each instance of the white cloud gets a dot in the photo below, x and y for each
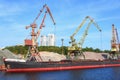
(108, 18)
(7, 9)
(12, 8)
(100, 6)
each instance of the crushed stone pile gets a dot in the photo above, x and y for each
(51, 56)
(6, 54)
(95, 56)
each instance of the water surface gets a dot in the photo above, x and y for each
(85, 74)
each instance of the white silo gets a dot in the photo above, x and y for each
(51, 40)
(43, 40)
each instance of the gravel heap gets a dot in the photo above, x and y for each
(46, 56)
(95, 56)
(6, 54)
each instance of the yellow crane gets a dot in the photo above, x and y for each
(76, 48)
(115, 44)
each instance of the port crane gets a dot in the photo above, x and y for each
(76, 48)
(32, 43)
(115, 44)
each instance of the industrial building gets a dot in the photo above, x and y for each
(48, 40)
(43, 40)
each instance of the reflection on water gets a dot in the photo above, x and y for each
(31, 76)
(95, 74)
(86, 74)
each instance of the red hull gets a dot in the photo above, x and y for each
(61, 68)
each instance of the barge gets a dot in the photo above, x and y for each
(15, 66)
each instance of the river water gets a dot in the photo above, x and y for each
(86, 74)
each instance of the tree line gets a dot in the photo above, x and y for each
(61, 50)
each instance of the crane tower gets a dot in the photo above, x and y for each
(115, 44)
(76, 47)
(32, 43)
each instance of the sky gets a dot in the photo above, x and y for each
(68, 15)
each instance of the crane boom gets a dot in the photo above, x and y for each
(86, 32)
(117, 36)
(76, 31)
(96, 25)
(39, 13)
(41, 25)
(48, 10)
(84, 35)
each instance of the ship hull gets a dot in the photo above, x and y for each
(12, 66)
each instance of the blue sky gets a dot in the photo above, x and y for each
(68, 15)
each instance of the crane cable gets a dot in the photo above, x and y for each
(101, 41)
(54, 33)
